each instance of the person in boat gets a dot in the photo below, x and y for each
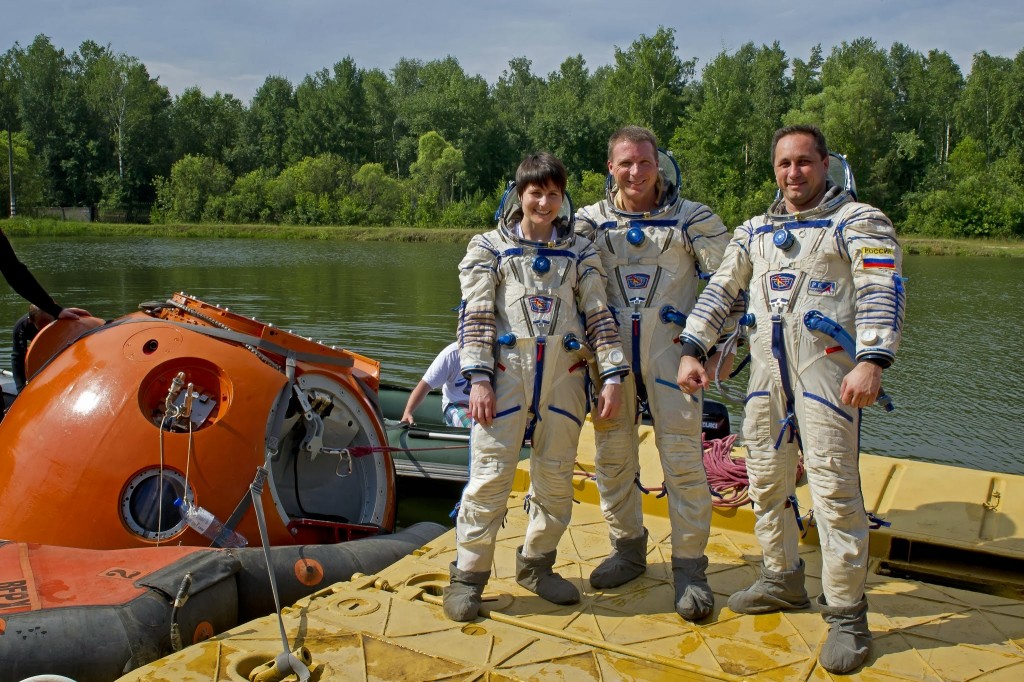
(26, 286)
(654, 244)
(25, 329)
(533, 315)
(445, 372)
(817, 254)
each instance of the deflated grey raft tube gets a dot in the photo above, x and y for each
(100, 624)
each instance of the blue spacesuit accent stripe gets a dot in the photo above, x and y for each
(826, 403)
(511, 410)
(702, 214)
(755, 394)
(711, 309)
(779, 352)
(798, 224)
(713, 320)
(665, 382)
(542, 251)
(488, 268)
(878, 351)
(707, 236)
(565, 414)
(653, 222)
(538, 376)
(565, 253)
(873, 237)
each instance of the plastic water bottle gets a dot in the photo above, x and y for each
(208, 525)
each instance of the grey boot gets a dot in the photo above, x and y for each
(627, 561)
(464, 593)
(849, 638)
(536, 576)
(694, 599)
(772, 591)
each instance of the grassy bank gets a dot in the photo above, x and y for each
(40, 227)
(44, 227)
(934, 246)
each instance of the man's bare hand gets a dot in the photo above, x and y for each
(724, 370)
(860, 387)
(482, 402)
(609, 401)
(692, 375)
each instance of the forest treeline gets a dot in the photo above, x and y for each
(428, 144)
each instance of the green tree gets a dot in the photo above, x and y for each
(517, 95)
(55, 119)
(984, 99)
(206, 126)
(330, 115)
(855, 116)
(649, 82)
(384, 126)
(248, 201)
(724, 145)
(440, 97)
(196, 188)
(976, 199)
(437, 172)
(305, 192)
(806, 77)
(29, 180)
(9, 85)
(563, 124)
(377, 198)
(265, 125)
(133, 110)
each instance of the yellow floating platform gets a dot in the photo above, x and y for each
(950, 526)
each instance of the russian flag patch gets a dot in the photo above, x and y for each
(878, 257)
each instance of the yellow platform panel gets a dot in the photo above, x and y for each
(391, 626)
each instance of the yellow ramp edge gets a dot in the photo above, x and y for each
(391, 626)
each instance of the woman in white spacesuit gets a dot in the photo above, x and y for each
(533, 315)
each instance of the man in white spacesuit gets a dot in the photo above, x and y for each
(654, 246)
(534, 315)
(826, 305)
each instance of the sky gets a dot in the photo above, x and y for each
(231, 46)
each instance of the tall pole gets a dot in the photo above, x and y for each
(10, 170)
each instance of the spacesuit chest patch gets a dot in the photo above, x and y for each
(821, 287)
(540, 304)
(782, 281)
(637, 281)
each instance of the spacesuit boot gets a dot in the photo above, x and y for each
(849, 637)
(464, 594)
(694, 599)
(773, 591)
(627, 561)
(536, 576)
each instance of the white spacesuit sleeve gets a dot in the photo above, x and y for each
(720, 301)
(876, 261)
(478, 278)
(591, 300)
(585, 225)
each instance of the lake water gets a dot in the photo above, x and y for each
(957, 381)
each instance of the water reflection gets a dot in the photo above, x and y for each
(955, 383)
